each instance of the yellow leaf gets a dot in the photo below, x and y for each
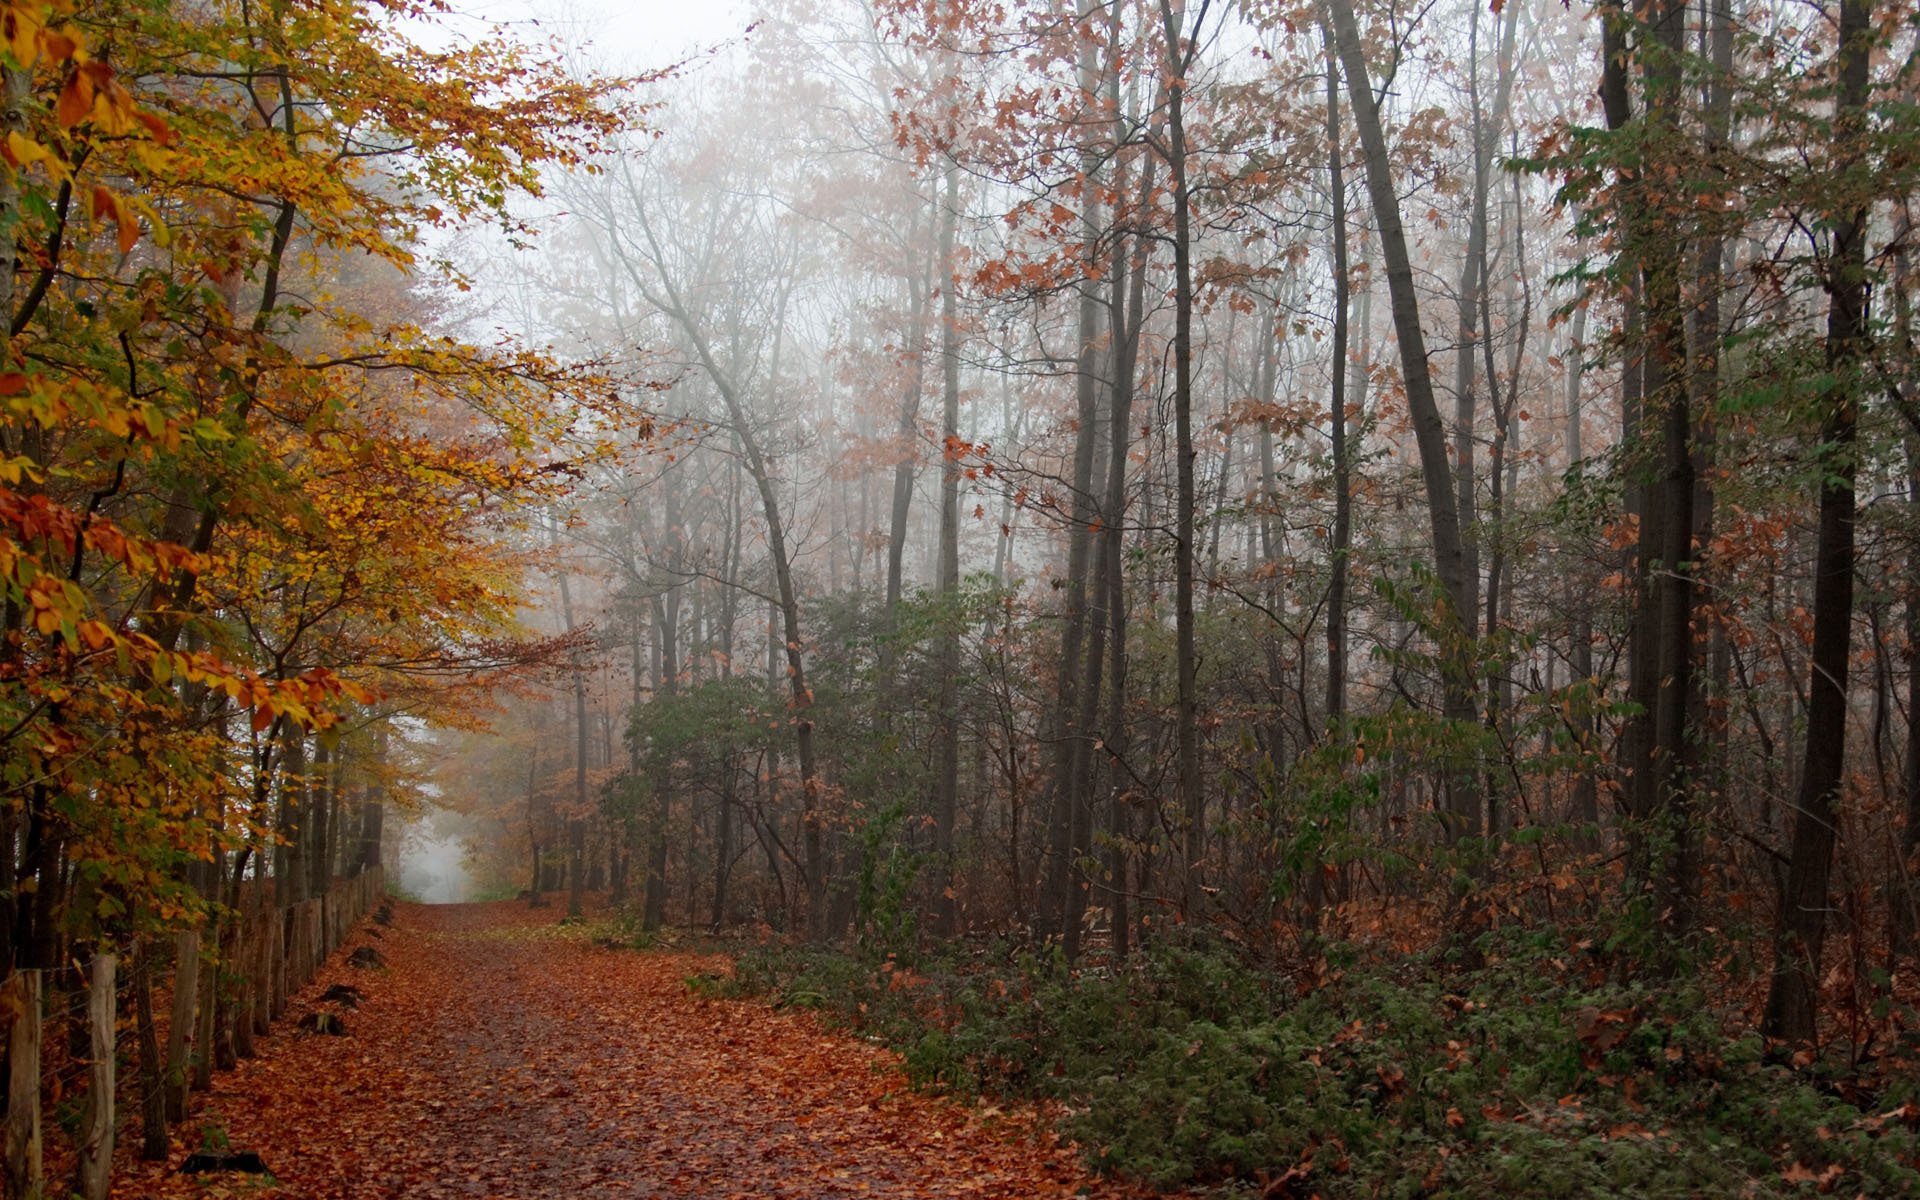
(156, 228)
(23, 35)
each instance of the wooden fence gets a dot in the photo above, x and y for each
(221, 1003)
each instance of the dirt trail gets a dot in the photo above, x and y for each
(500, 1056)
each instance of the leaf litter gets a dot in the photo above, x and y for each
(498, 1056)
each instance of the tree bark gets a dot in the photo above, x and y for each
(1340, 543)
(181, 1024)
(1181, 54)
(1905, 892)
(1585, 805)
(24, 1166)
(666, 624)
(94, 1169)
(154, 1145)
(1457, 651)
(946, 770)
(577, 822)
(1793, 999)
(1128, 304)
(1059, 871)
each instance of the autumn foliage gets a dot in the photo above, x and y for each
(252, 491)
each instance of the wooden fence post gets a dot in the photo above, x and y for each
(180, 1030)
(282, 924)
(245, 981)
(263, 971)
(95, 1168)
(153, 1071)
(22, 995)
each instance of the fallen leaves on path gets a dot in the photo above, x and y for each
(501, 1056)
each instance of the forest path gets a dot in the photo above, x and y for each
(501, 1055)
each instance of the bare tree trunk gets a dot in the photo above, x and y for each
(1585, 812)
(907, 434)
(1458, 657)
(319, 833)
(1793, 1000)
(1181, 55)
(1905, 892)
(534, 898)
(666, 623)
(291, 877)
(1059, 869)
(1342, 539)
(1128, 306)
(577, 823)
(1469, 330)
(723, 860)
(1703, 352)
(946, 770)
(1660, 682)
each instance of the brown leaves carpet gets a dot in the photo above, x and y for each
(499, 1055)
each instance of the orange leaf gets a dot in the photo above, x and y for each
(76, 100)
(161, 131)
(129, 226)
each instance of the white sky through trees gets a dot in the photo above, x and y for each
(622, 35)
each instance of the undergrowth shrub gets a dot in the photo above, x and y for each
(1523, 1077)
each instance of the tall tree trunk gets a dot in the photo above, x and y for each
(1468, 330)
(1059, 868)
(1129, 274)
(1659, 429)
(373, 813)
(577, 822)
(1342, 534)
(1181, 54)
(320, 803)
(907, 435)
(1585, 810)
(666, 623)
(291, 876)
(1704, 338)
(946, 769)
(729, 605)
(1905, 892)
(1793, 1000)
(1457, 651)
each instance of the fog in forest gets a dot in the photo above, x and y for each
(433, 863)
(1106, 466)
(1329, 591)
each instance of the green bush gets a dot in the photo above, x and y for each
(1189, 1067)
